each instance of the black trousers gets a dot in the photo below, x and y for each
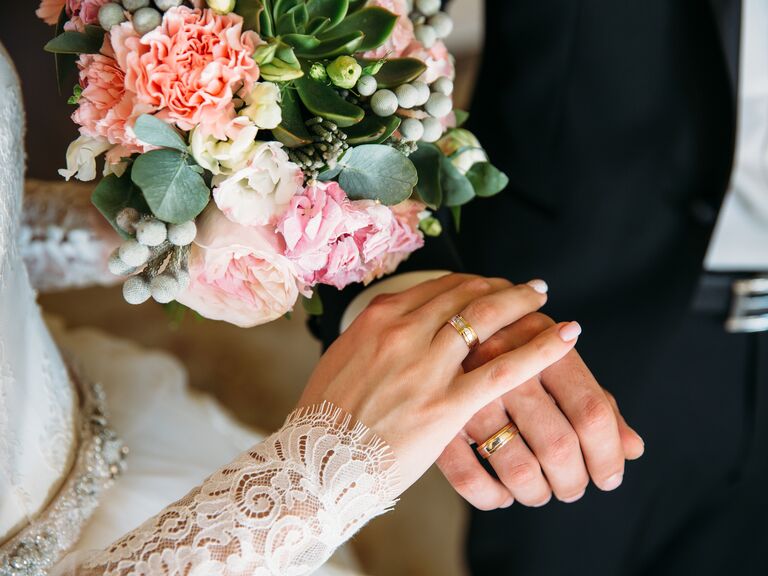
(696, 502)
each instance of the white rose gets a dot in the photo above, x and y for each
(262, 105)
(224, 156)
(81, 157)
(261, 191)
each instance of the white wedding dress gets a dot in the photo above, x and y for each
(98, 436)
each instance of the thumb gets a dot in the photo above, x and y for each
(497, 377)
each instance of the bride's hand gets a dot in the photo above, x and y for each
(398, 368)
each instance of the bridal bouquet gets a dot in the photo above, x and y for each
(254, 149)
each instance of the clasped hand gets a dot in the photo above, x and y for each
(407, 374)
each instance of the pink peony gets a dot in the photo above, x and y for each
(438, 60)
(401, 36)
(105, 108)
(189, 68)
(406, 238)
(238, 273)
(83, 13)
(50, 10)
(335, 241)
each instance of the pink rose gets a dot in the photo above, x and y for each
(238, 273)
(438, 60)
(105, 108)
(83, 13)
(50, 10)
(401, 36)
(333, 240)
(189, 68)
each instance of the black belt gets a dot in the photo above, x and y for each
(742, 298)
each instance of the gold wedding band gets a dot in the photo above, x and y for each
(498, 440)
(465, 330)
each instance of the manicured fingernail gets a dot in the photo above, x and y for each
(613, 482)
(544, 503)
(570, 331)
(573, 498)
(508, 503)
(539, 285)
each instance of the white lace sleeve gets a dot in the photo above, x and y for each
(65, 242)
(281, 508)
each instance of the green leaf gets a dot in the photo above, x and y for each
(302, 42)
(314, 305)
(154, 131)
(113, 194)
(456, 213)
(355, 5)
(324, 101)
(375, 23)
(66, 64)
(174, 192)
(377, 172)
(71, 42)
(334, 10)
(427, 159)
(393, 123)
(397, 71)
(486, 179)
(292, 131)
(333, 47)
(330, 173)
(457, 189)
(317, 25)
(286, 24)
(266, 21)
(251, 11)
(461, 117)
(370, 129)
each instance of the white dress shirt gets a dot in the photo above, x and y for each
(740, 239)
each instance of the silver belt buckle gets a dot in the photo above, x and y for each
(749, 306)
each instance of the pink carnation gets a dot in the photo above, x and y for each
(401, 36)
(438, 60)
(50, 10)
(335, 241)
(105, 108)
(189, 68)
(406, 238)
(83, 13)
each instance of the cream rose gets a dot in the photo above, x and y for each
(260, 192)
(262, 105)
(224, 156)
(238, 273)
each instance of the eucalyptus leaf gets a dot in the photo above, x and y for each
(334, 10)
(427, 158)
(324, 101)
(314, 305)
(71, 42)
(377, 172)
(397, 71)
(251, 11)
(154, 131)
(375, 23)
(457, 189)
(486, 179)
(174, 192)
(330, 173)
(113, 194)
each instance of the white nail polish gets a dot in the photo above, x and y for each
(613, 482)
(570, 331)
(539, 285)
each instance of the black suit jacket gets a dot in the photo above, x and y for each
(615, 121)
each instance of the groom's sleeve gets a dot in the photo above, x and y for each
(437, 254)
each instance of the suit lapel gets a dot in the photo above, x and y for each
(727, 15)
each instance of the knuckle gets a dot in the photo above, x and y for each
(596, 413)
(561, 449)
(478, 285)
(499, 373)
(536, 322)
(521, 473)
(481, 311)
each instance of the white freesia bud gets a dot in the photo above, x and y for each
(127, 218)
(262, 105)
(224, 156)
(151, 232)
(136, 290)
(81, 157)
(182, 234)
(164, 288)
(117, 266)
(133, 253)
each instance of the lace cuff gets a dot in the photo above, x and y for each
(282, 507)
(64, 241)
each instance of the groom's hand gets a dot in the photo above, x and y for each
(571, 430)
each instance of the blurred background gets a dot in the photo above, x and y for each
(258, 373)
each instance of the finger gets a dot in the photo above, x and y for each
(479, 387)
(586, 406)
(631, 441)
(420, 294)
(467, 476)
(486, 314)
(514, 463)
(551, 438)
